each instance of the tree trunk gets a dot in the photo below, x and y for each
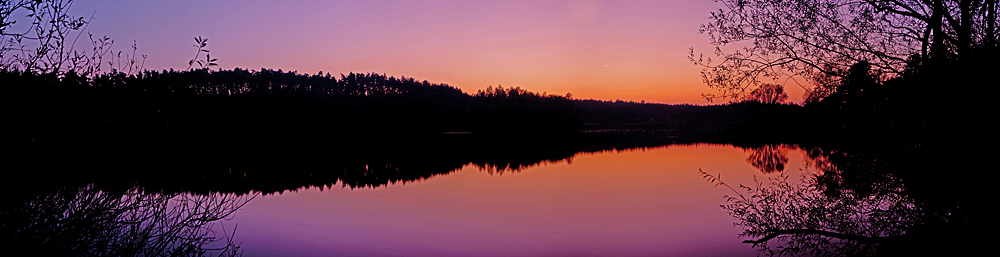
(991, 23)
(937, 47)
(964, 32)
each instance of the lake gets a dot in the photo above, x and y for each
(647, 202)
(652, 197)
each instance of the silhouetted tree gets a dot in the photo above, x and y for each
(768, 94)
(859, 86)
(820, 39)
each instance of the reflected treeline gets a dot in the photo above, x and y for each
(270, 166)
(241, 131)
(202, 130)
(88, 221)
(352, 160)
(268, 131)
(857, 203)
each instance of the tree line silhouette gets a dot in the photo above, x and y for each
(898, 145)
(233, 131)
(209, 122)
(891, 111)
(894, 160)
(886, 119)
(351, 103)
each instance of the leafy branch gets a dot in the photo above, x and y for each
(201, 43)
(47, 42)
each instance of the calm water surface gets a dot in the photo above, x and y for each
(649, 202)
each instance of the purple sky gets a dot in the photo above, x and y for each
(629, 50)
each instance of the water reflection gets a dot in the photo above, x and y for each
(89, 221)
(843, 204)
(356, 161)
(782, 217)
(769, 158)
(647, 202)
(620, 184)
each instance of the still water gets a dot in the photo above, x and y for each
(644, 202)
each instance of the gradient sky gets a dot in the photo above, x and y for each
(629, 50)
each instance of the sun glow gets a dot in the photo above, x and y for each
(633, 51)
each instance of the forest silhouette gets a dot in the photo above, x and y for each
(888, 115)
(241, 131)
(894, 130)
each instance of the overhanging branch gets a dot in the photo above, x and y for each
(863, 239)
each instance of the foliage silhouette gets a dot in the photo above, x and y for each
(768, 94)
(232, 130)
(820, 40)
(45, 39)
(519, 109)
(201, 43)
(88, 221)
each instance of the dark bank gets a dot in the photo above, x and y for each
(128, 161)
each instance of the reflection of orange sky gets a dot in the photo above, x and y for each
(628, 50)
(650, 202)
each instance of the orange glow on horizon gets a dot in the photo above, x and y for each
(606, 50)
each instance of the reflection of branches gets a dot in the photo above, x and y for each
(839, 172)
(92, 222)
(802, 220)
(501, 167)
(768, 158)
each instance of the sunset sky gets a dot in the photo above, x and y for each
(628, 50)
